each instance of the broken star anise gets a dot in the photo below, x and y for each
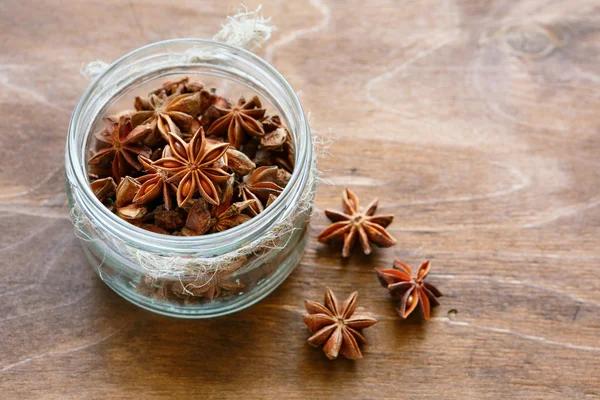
(104, 188)
(334, 327)
(192, 167)
(154, 184)
(228, 215)
(352, 224)
(124, 146)
(126, 192)
(181, 86)
(258, 186)
(411, 289)
(222, 217)
(162, 112)
(239, 121)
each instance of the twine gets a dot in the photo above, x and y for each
(247, 29)
(163, 266)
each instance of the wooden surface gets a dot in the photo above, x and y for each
(475, 122)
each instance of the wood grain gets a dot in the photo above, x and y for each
(475, 122)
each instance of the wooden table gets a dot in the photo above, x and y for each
(475, 122)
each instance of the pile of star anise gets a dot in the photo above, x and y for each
(188, 162)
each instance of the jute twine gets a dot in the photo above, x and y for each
(247, 29)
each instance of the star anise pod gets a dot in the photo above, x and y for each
(352, 224)
(258, 186)
(238, 162)
(192, 167)
(239, 121)
(279, 140)
(154, 184)
(226, 215)
(160, 112)
(411, 289)
(181, 86)
(334, 327)
(126, 192)
(169, 219)
(124, 146)
(104, 188)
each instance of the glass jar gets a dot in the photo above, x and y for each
(125, 256)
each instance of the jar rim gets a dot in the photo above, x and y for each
(77, 168)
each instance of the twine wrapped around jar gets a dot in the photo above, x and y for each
(246, 29)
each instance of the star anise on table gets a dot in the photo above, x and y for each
(335, 328)
(352, 224)
(192, 167)
(125, 147)
(258, 186)
(159, 112)
(411, 289)
(239, 121)
(154, 184)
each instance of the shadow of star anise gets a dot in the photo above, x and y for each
(334, 327)
(352, 224)
(124, 148)
(411, 289)
(239, 121)
(192, 167)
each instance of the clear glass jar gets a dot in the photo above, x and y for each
(118, 249)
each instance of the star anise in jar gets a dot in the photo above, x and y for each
(104, 188)
(192, 167)
(215, 284)
(279, 142)
(229, 214)
(412, 289)
(335, 328)
(124, 141)
(226, 215)
(181, 86)
(239, 121)
(126, 192)
(154, 184)
(238, 162)
(161, 112)
(352, 224)
(258, 186)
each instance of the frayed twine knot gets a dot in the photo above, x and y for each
(246, 29)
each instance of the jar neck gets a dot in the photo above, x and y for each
(187, 56)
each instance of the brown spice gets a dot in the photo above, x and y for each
(162, 112)
(239, 121)
(412, 290)
(124, 148)
(335, 328)
(259, 186)
(352, 224)
(158, 153)
(192, 167)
